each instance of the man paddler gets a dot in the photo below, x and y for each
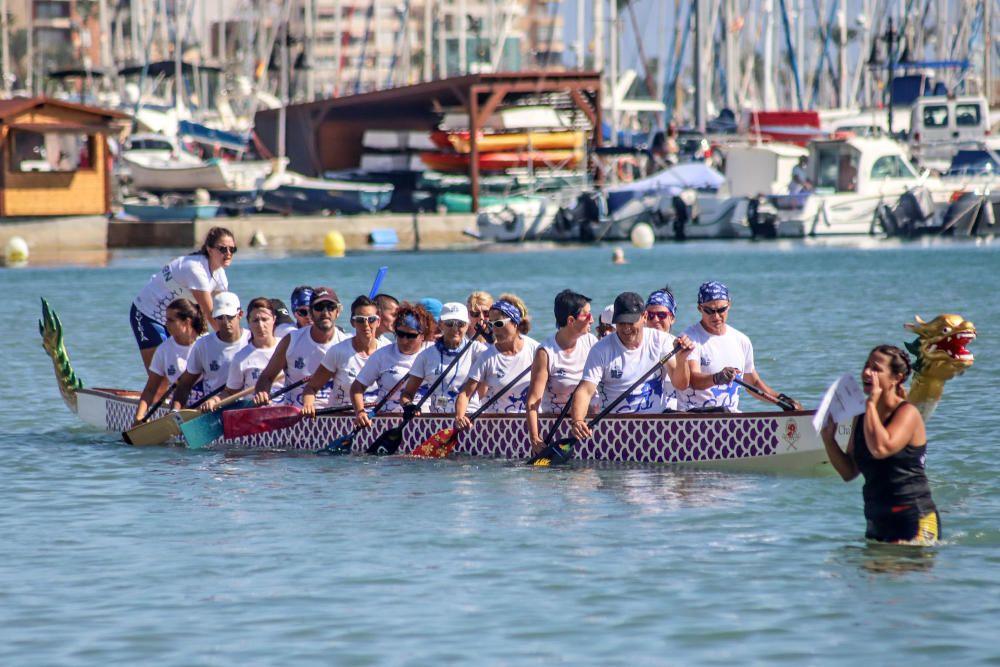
(619, 359)
(722, 354)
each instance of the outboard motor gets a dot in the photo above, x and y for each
(971, 214)
(685, 206)
(911, 213)
(762, 225)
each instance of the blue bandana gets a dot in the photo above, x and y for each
(411, 321)
(508, 309)
(301, 298)
(713, 290)
(662, 298)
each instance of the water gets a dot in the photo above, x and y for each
(116, 555)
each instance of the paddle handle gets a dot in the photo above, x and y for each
(440, 378)
(212, 394)
(156, 406)
(783, 404)
(388, 395)
(625, 394)
(496, 397)
(288, 388)
(559, 420)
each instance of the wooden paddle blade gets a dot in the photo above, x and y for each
(438, 446)
(157, 431)
(250, 421)
(388, 442)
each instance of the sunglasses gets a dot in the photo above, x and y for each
(499, 324)
(658, 314)
(407, 335)
(585, 317)
(362, 319)
(302, 312)
(452, 323)
(225, 318)
(226, 249)
(327, 306)
(479, 313)
(714, 311)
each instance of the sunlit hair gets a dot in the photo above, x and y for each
(525, 325)
(411, 310)
(479, 300)
(361, 302)
(213, 236)
(899, 364)
(189, 310)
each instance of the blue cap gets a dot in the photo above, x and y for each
(433, 307)
(713, 290)
(301, 296)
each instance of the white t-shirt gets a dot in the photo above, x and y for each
(246, 366)
(432, 362)
(614, 368)
(302, 358)
(497, 370)
(170, 359)
(282, 330)
(712, 354)
(176, 280)
(386, 367)
(345, 363)
(210, 358)
(565, 370)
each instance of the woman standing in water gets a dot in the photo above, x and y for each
(888, 448)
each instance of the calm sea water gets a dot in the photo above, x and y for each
(116, 555)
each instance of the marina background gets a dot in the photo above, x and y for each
(166, 556)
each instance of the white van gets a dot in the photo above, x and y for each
(939, 124)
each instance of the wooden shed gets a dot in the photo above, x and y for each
(55, 157)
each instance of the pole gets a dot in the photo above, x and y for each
(428, 64)
(283, 69)
(769, 98)
(599, 40)
(5, 49)
(178, 58)
(699, 75)
(613, 69)
(988, 50)
(463, 55)
(890, 60)
(310, 50)
(580, 29)
(30, 78)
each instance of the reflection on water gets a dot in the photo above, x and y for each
(892, 559)
(666, 489)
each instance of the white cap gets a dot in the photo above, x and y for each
(225, 303)
(607, 315)
(454, 311)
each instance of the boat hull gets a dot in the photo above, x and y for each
(783, 442)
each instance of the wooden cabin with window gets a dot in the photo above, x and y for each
(55, 157)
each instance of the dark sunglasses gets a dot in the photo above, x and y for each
(479, 313)
(406, 335)
(452, 323)
(225, 318)
(302, 312)
(328, 306)
(714, 311)
(361, 319)
(499, 324)
(226, 249)
(658, 314)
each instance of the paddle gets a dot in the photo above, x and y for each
(379, 277)
(250, 421)
(559, 420)
(784, 402)
(208, 427)
(158, 431)
(156, 406)
(439, 445)
(389, 441)
(562, 450)
(342, 445)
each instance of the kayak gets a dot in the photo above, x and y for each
(499, 161)
(508, 141)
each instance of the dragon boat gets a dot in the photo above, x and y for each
(773, 442)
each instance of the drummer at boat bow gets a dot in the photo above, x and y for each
(722, 354)
(300, 352)
(211, 355)
(617, 361)
(511, 353)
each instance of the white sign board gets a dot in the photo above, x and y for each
(842, 400)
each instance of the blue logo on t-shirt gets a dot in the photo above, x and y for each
(214, 366)
(300, 363)
(171, 370)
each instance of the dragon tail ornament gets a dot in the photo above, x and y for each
(51, 330)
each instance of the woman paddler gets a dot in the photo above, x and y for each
(511, 353)
(197, 277)
(250, 362)
(559, 361)
(185, 324)
(888, 448)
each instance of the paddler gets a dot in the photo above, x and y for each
(250, 362)
(185, 324)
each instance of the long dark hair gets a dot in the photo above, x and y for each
(899, 364)
(189, 310)
(213, 236)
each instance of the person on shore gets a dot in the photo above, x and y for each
(558, 365)
(434, 361)
(196, 277)
(888, 448)
(300, 352)
(389, 364)
(511, 353)
(387, 306)
(208, 365)
(660, 310)
(301, 297)
(479, 304)
(723, 353)
(617, 362)
(342, 362)
(250, 362)
(185, 324)
(284, 323)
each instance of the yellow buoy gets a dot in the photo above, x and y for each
(15, 253)
(333, 244)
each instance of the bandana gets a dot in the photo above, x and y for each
(713, 290)
(508, 309)
(302, 298)
(662, 298)
(411, 321)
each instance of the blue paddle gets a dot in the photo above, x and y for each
(379, 277)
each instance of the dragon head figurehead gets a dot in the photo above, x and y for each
(51, 329)
(941, 354)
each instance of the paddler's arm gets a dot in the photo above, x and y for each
(678, 369)
(462, 421)
(842, 462)
(539, 378)
(315, 383)
(212, 403)
(204, 301)
(155, 387)
(409, 392)
(262, 390)
(581, 403)
(361, 417)
(183, 389)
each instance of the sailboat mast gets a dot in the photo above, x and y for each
(4, 49)
(178, 58)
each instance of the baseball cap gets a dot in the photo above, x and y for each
(433, 307)
(454, 311)
(225, 303)
(324, 294)
(608, 314)
(628, 308)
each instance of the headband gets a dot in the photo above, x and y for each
(412, 321)
(662, 298)
(713, 290)
(508, 309)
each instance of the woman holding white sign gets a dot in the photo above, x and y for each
(888, 448)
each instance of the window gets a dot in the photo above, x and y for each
(51, 151)
(936, 115)
(51, 10)
(967, 115)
